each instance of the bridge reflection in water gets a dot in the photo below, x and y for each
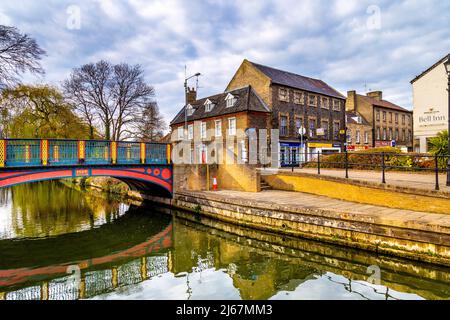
(161, 253)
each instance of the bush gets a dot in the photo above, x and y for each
(372, 159)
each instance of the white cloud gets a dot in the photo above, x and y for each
(322, 39)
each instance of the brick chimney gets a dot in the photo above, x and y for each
(378, 95)
(350, 105)
(191, 95)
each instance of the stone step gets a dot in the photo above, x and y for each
(265, 186)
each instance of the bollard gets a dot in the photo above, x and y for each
(436, 171)
(346, 164)
(318, 162)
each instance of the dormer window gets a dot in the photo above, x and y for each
(189, 110)
(230, 100)
(209, 105)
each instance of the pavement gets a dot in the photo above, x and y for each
(426, 181)
(296, 200)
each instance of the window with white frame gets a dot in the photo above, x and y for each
(298, 97)
(312, 127)
(191, 132)
(358, 136)
(325, 103)
(209, 105)
(336, 105)
(203, 130)
(180, 132)
(231, 126)
(218, 128)
(244, 154)
(230, 100)
(366, 137)
(336, 128)
(312, 100)
(283, 94)
(283, 126)
(189, 110)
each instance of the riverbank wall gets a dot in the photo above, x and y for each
(395, 235)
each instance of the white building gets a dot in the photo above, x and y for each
(430, 101)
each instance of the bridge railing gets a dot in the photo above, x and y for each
(58, 152)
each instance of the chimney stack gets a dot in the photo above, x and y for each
(350, 105)
(378, 95)
(191, 95)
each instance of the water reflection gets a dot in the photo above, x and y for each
(157, 253)
(45, 209)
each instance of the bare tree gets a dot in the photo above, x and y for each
(88, 90)
(149, 125)
(18, 54)
(111, 95)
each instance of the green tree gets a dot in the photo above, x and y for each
(38, 112)
(439, 146)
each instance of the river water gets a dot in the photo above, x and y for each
(60, 243)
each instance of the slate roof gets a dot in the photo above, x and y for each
(246, 100)
(353, 114)
(383, 103)
(297, 81)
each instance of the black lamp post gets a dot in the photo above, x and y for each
(186, 89)
(447, 69)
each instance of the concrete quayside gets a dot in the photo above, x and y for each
(411, 234)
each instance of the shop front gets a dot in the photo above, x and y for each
(322, 148)
(291, 154)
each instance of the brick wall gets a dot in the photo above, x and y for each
(249, 75)
(305, 112)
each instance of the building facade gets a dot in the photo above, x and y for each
(223, 118)
(430, 104)
(391, 124)
(359, 132)
(297, 102)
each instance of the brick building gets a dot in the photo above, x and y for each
(388, 121)
(224, 116)
(359, 132)
(297, 101)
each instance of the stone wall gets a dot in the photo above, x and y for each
(417, 241)
(229, 177)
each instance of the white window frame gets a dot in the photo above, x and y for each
(358, 136)
(218, 125)
(203, 130)
(180, 132)
(336, 105)
(314, 104)
(230, 131)
(190, 131)
(327, 105)
(189, 110)
(366, 137)
(209, 105)
(298, 97)
(283, 97)
(230, 100)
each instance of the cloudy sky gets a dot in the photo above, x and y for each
(373, 45)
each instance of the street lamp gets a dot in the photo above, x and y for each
(185, 93)
(447, 69)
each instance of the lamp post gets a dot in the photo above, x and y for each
(185, 93)
(447, 69)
